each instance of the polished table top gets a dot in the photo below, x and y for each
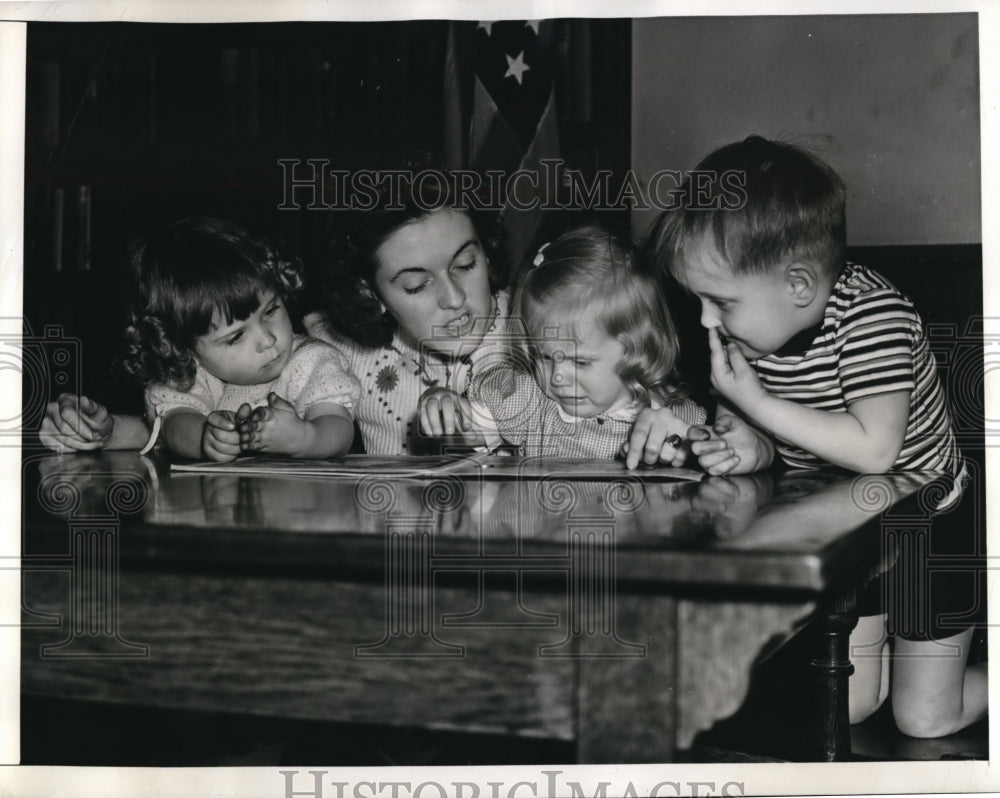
(797, 530)
(498, 605)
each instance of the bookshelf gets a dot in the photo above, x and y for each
(130, 126)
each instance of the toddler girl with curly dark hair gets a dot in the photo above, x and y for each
(210, 337)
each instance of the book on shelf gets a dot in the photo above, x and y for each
(58, 225)
(478, 465)
(84, 228)
(71, 228)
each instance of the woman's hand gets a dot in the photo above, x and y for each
(76, 423)
(444, 412)
(657, 436)
(220, 438)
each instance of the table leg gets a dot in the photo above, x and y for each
(832, 668)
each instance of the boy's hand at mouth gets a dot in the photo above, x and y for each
(732, 376)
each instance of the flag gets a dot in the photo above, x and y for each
(507, 119)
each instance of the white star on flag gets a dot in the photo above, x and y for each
(533, 24)
(516, 67)
(486, 26)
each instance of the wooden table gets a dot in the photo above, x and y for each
(624, 614)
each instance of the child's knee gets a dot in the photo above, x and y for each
(869, 684)
(861, 707)
(933, 693)
(914, 720)
(926, 716)
(868, 687)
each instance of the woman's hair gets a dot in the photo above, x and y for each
(180, 278)
(591, 273)
(347, 277)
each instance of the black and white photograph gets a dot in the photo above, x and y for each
(581, 401)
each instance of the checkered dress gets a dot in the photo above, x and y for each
(512, 408)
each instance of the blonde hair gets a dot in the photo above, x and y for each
(589, 272)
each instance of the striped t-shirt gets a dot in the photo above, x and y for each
(871, 342)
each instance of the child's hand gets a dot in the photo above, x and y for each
(274, 428)
(444, 412)
(732, 502)
(658, 435)
(732, 376)
(730, 446)
(220, 438)
(76, 423)
(243, 413)
(220, 495)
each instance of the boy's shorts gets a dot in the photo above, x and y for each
(936, 584)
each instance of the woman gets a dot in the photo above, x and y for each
(410, 298)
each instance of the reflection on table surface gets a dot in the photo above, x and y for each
(792, 511)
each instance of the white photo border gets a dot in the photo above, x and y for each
(755, 779)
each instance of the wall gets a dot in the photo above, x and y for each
(890, 101)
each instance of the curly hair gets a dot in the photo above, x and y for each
(179, 280)
(591, 273)
(346, 276)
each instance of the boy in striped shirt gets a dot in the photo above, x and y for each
(826, 361)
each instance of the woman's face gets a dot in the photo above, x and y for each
(432, 276)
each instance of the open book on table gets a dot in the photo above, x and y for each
(479, 465)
